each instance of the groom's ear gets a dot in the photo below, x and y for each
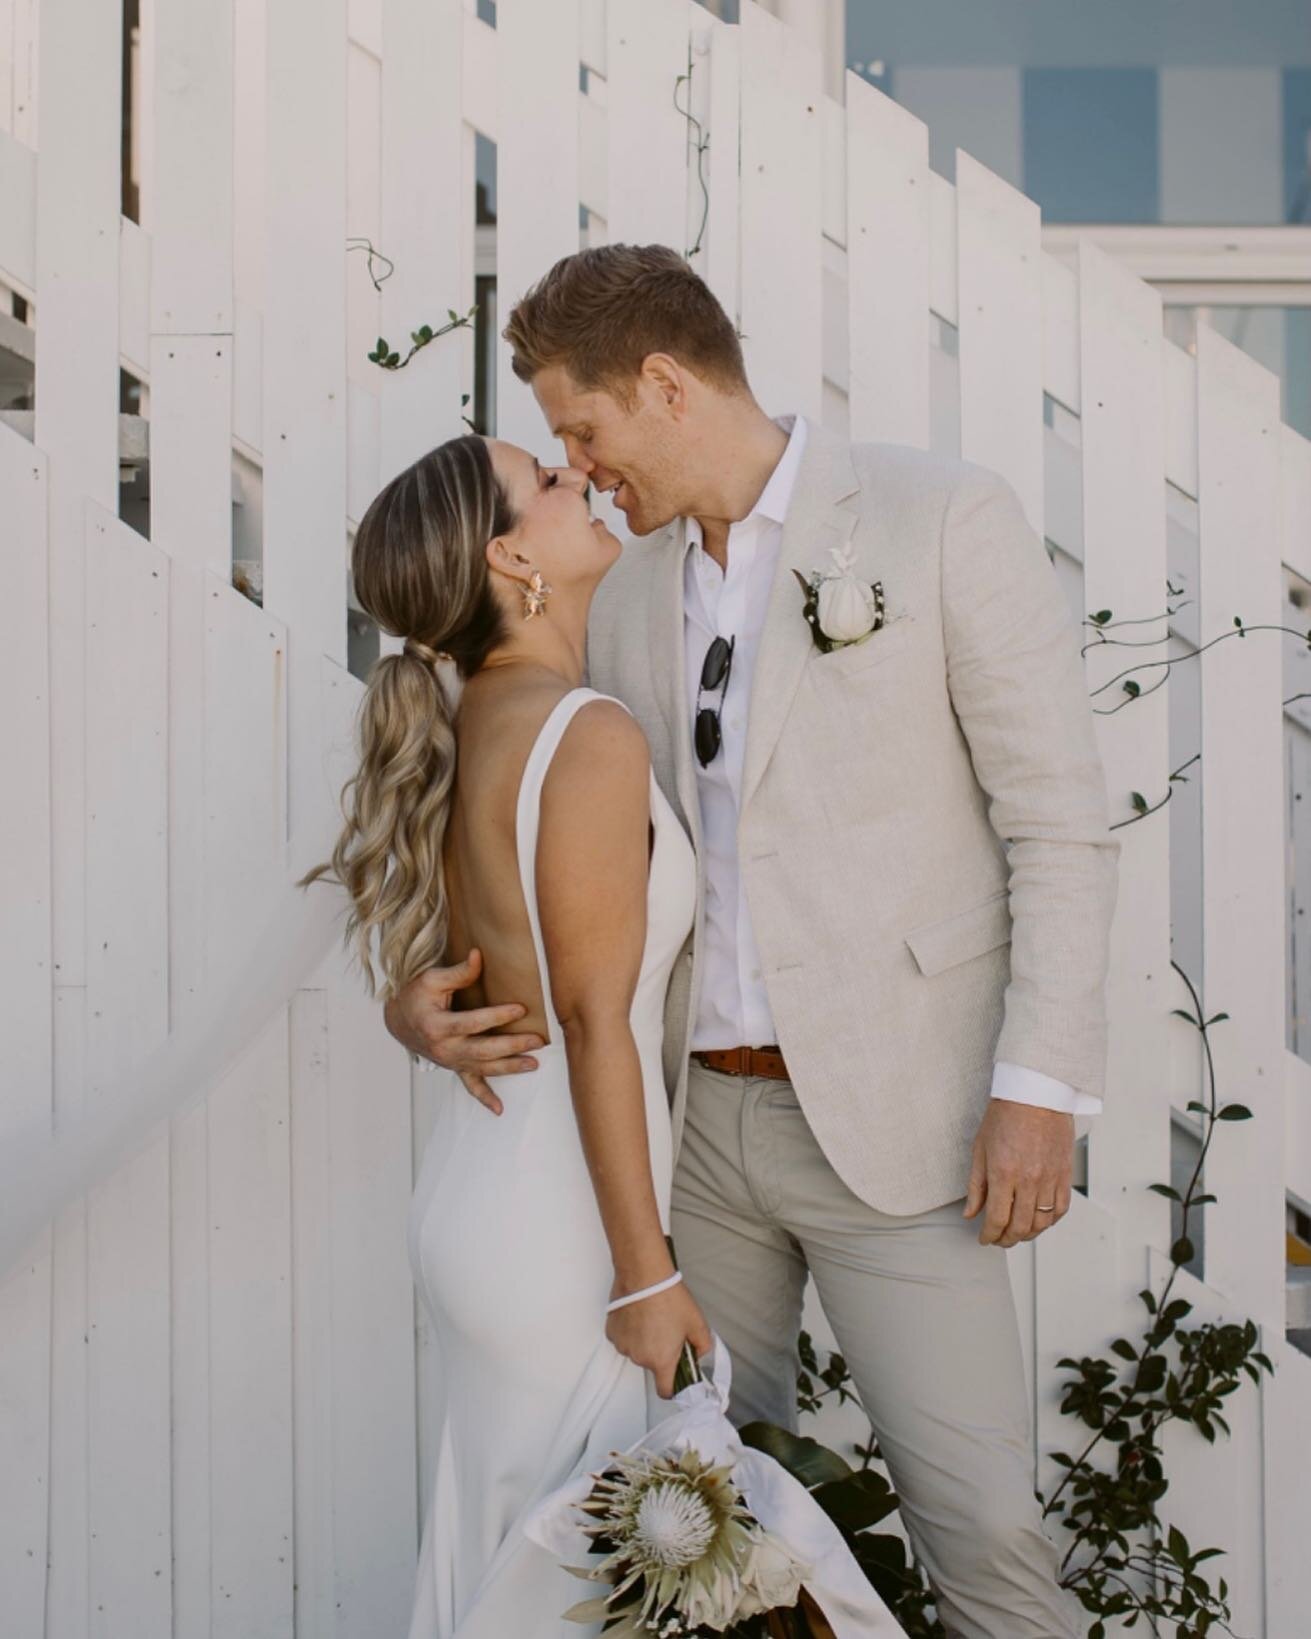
(664, 373)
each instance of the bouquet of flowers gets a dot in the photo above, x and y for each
(693, 1533)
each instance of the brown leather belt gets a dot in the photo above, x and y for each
(745, 1061)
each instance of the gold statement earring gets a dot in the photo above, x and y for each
(535, 595)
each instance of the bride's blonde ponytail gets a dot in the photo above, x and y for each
(420, 569)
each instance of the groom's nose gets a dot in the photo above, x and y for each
(574, 476)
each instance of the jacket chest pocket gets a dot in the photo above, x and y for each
(885, 644)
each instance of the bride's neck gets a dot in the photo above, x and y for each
(555, 640)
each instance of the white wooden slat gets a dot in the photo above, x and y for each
(134, 258)
(888, 231)
(362, 445)
(536, 178)
(594, 159)
(943, 273)
(245, 1186)
(77, 220)
(648, 139)
(18, 218)
(26, 1026)
(1080, 1304)
(422, 148)
(1060, 333)
(1000, 329)
(127, 1015)
(1287, 1407)
(249, 152)
(1181, 419)
(372, 1297)
(250, 1343)
(1215, 1490)
(1124, 502)
(364, 25)
(312, 1320)
(478, 74)
(781, 205)
(1295, 501)
(717, 87)
(834, 171)
(1242, 816)
(364, 217)
(192, 198)
(190, 206)
(593, 41)
(304, 365)
(6, 64)
(189, 1275)
(1297, 1126)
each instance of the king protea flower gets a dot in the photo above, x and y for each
(682, 1551)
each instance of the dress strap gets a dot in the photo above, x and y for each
(528, 818)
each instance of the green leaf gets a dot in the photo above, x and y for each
(1238, 621)
(1139, 801)
(1216, 1017)
(381, 347)
(857, 1502)
(1182, 1250)
(805, 1459)
(1148, 1297)
(1234, 1112)
(1124, 1349)
(1167, 1190)
(1202, 1109)
(1179, 1012)
(1103, 615)
(1131, 688)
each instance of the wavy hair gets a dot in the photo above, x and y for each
(419, 564)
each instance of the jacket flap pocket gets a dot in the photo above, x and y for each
(938, 945)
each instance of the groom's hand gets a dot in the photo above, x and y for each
(1023, 1160)
(422, 1019)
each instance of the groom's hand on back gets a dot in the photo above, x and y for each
(423, 1020)
(1023, 1159)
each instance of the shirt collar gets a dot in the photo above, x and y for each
(775, 498)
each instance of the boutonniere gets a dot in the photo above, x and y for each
(840, 609)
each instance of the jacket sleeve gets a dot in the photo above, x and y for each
(1016, 680)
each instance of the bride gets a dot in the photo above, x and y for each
(526, 823)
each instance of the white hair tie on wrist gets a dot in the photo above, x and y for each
(646, 1292)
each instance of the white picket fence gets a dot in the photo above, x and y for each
(213, 1406)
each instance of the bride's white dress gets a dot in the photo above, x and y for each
(511, 1261)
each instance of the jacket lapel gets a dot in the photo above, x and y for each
(816, 520)
(666, 635)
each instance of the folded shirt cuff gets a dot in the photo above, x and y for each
(1022, 1085)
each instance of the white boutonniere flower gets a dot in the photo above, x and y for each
(839, 608)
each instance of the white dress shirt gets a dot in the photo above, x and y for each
(734, 1006)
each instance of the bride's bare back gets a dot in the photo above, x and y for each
(500, 717)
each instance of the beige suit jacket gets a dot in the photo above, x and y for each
(923, 829)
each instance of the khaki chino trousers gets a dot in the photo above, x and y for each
(923, 1315)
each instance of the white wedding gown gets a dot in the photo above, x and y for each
(511, 1261)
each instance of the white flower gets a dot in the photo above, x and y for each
(846, 607)
(771, 1578)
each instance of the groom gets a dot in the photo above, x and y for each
(892, 1004)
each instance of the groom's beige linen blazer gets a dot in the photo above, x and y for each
(923, 826)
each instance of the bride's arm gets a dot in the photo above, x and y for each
(592, 865)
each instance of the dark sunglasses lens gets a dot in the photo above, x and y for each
(707, 735)
(716, 663)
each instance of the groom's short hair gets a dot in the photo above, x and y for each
(602, 311)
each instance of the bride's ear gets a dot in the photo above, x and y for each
(502, 559)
